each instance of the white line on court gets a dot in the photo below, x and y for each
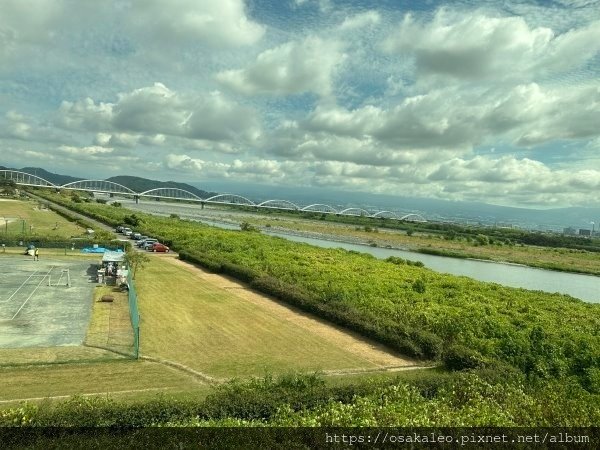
(19, 288)
(31, 295)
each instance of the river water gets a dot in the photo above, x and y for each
(584, 287)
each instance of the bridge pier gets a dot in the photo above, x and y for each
(202, 205)
(136, 198)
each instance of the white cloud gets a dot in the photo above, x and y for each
(23, 23)
(291, 68)
(157, 110)
(475, 46)
(361, 20)
(222, 23)
(455, 119)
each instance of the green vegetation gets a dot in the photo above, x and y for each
(544, 335)
(520, 357)
(31, 219)
(110, 325)
(579, 255)
(114, 377)
(461, 399)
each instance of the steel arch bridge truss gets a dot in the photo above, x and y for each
(279, 204)
(171, 193)
(413, 218)
(25, 179)
(108, 187)
(386, 215)
(355, 212)
(321, 208)
(230, 199)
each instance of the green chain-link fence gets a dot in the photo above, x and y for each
(134, 315)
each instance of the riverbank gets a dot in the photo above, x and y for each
(375, 239)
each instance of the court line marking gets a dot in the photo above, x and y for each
(19, 288)
(31, 295)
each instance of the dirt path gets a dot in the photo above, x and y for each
(377, 354)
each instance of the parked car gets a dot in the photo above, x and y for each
(148, 243)
(127, 231)
(119, 229)
(140, 241)
(135, 236)
(158, 247)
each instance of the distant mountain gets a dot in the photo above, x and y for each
(139, 184)
(136, 184)
(49, 176)
(432, 209)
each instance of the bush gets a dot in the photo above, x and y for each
(459, 357)
(429, 344)
(419, 286)
(211, 265)
(240, 272)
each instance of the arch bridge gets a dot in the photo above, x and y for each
(170, 193)
(104, 186)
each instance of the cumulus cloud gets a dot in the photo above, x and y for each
(452, 118)
(17, 126)
(198, 22)
(20, 23)
(127, 140)
(157, 110)
(512, 180)
(475, 46)
(361, 20)
(291, 68)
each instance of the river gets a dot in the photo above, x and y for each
(584, 287)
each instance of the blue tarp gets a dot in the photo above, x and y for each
(97, 250)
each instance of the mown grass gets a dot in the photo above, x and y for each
(187, 320)
(30, 218)
(110, 325)
(141, 377)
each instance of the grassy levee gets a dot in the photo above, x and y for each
(412, 309)
(29, 218)
(213, 331)
(521, 358)
(115, 377)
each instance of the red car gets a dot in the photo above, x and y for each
(158, 247)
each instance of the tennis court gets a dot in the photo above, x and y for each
(44, 303)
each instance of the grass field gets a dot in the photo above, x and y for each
(191, 321)
(215, 331)
(110, 325)
(19, 216)
(127, 377)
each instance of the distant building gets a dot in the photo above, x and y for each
(570, 231)
(584, 232)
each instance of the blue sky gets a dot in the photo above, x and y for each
(494, 101)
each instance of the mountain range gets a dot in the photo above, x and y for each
(432, 209)
(136, 184)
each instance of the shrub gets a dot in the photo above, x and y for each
(429, 344)
(240, 272)
(419, 286)
(459, 357)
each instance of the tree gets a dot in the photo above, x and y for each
(132, 220)
(245, 226)
(7, 187)
(135, 260)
